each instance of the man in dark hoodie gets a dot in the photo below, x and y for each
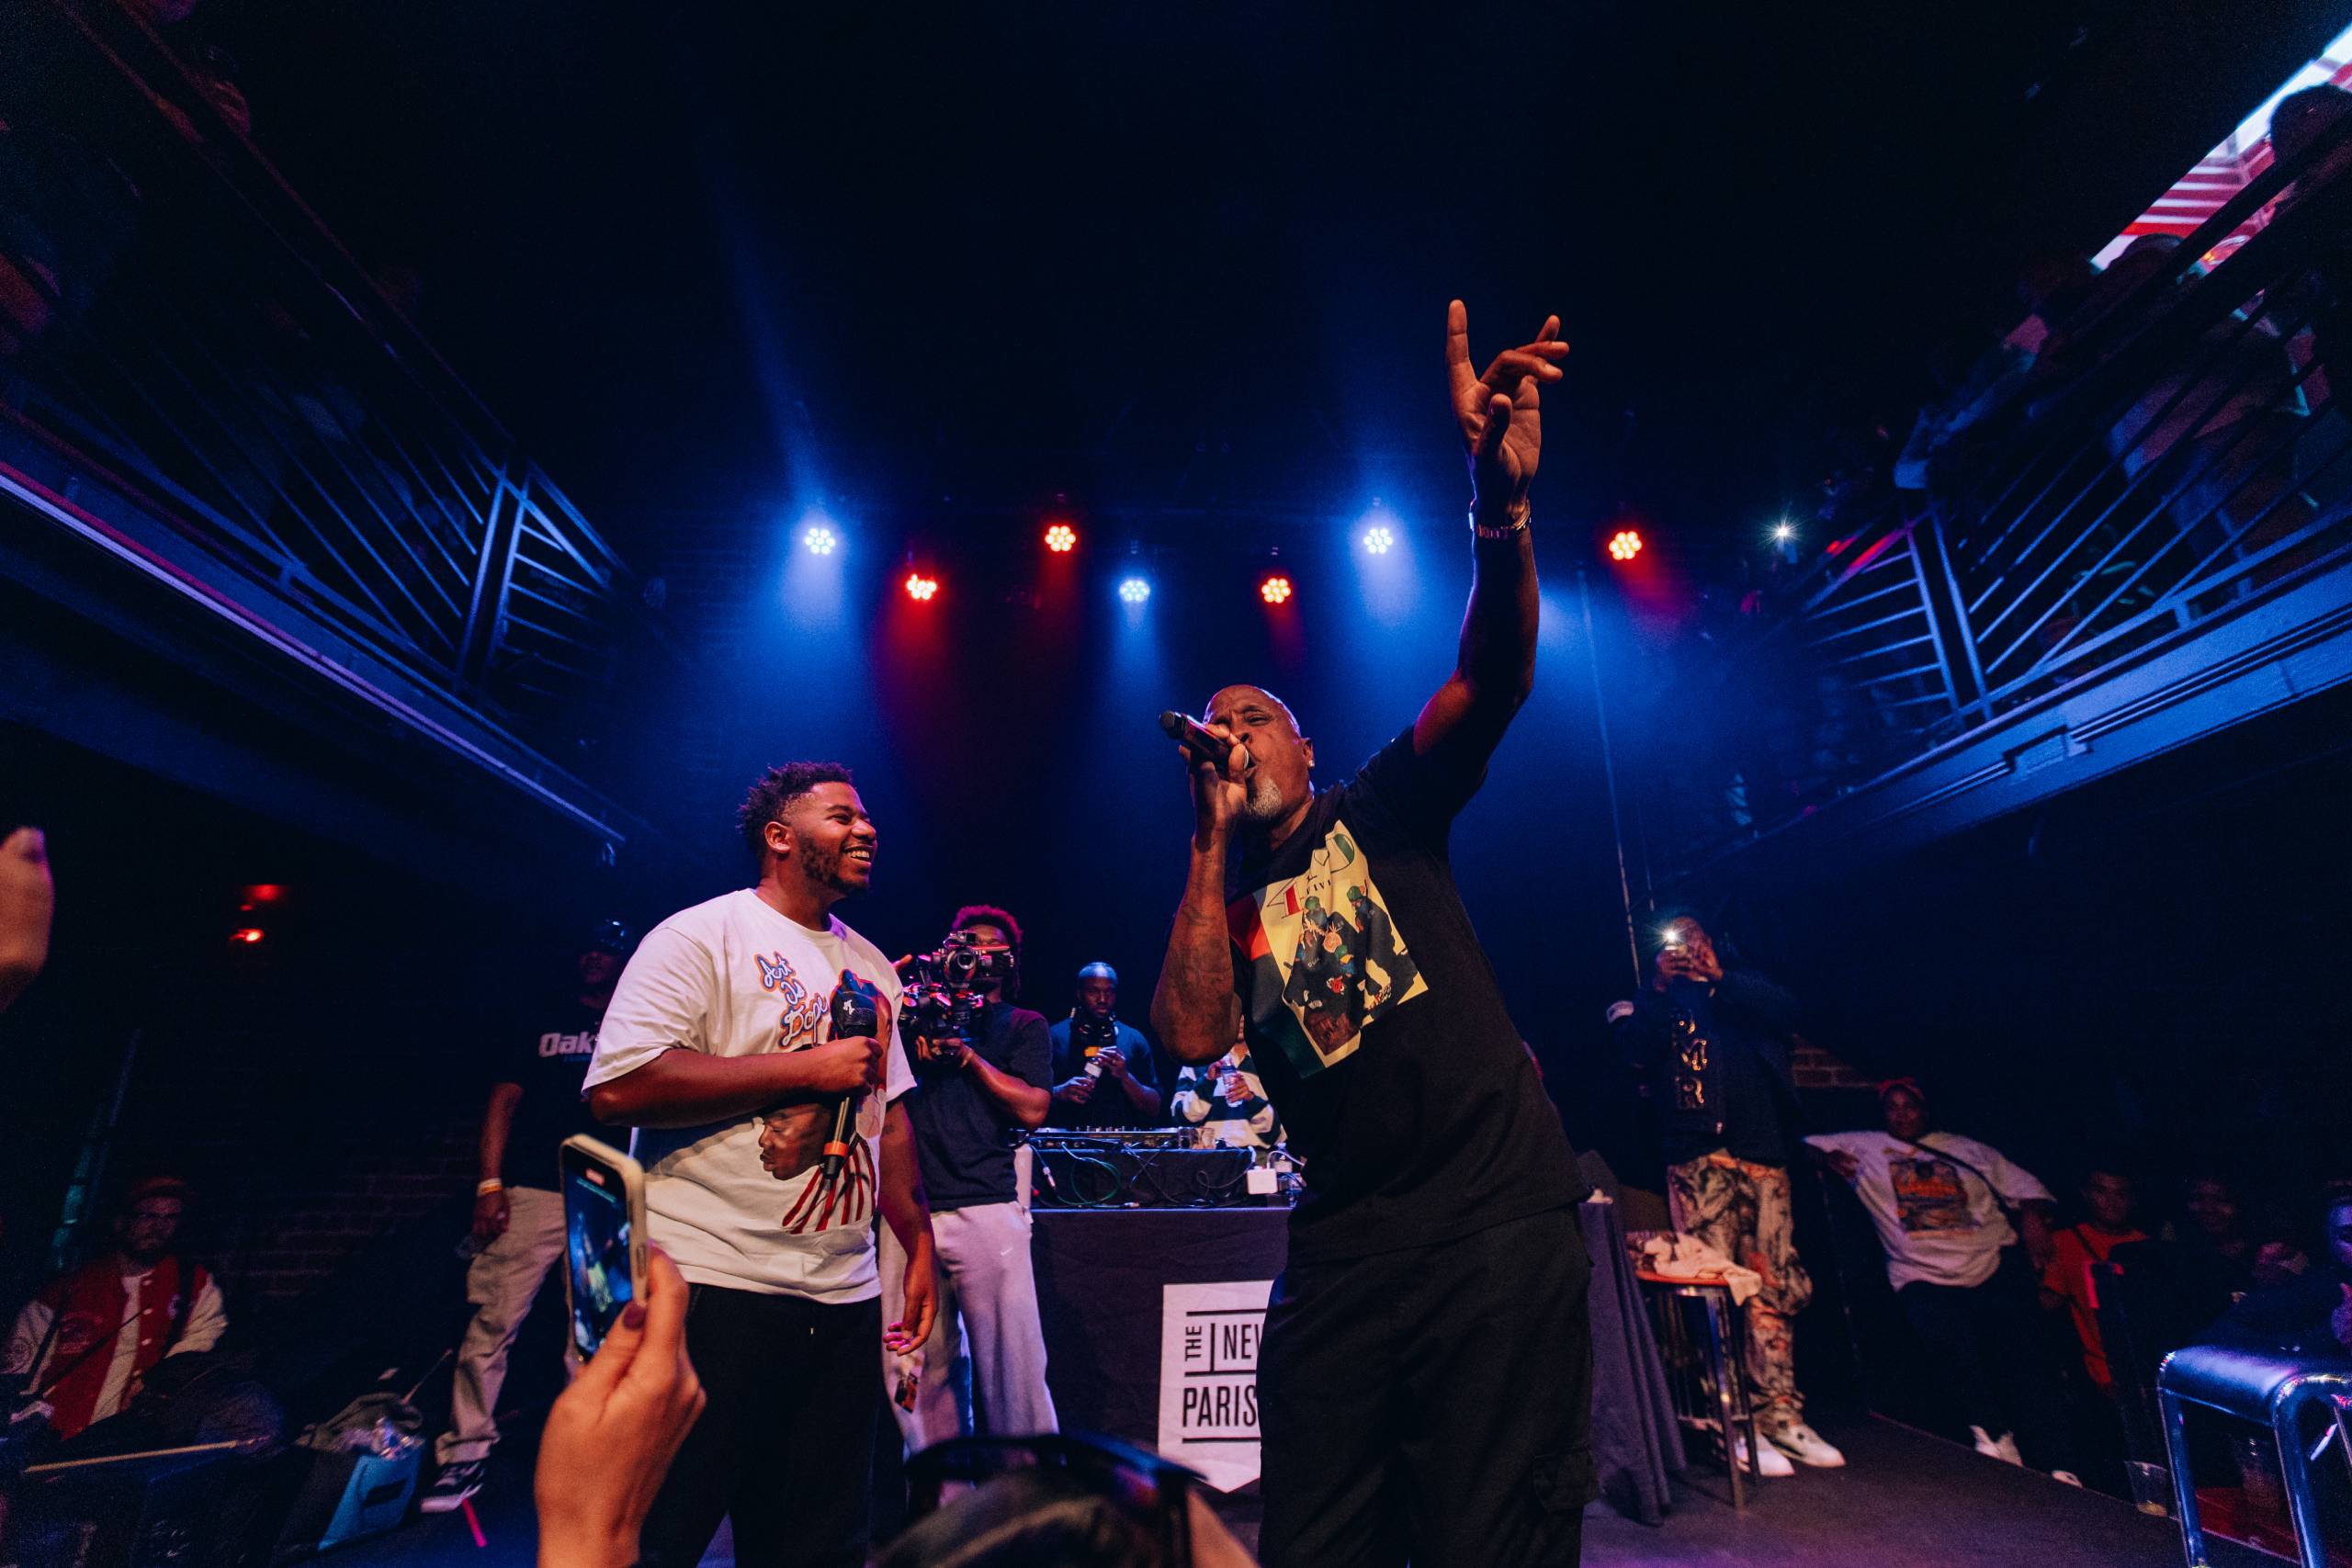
(1715, 1048)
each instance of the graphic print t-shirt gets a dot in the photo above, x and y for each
(732, 977)
(1375, 1023)
(1936, 1218)
(549, 1057)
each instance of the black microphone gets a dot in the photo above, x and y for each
(855, 1017)
(1198, 743)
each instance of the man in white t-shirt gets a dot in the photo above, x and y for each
(717, 1047)
(1941, 1203)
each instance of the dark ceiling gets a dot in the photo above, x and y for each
(1182, 256)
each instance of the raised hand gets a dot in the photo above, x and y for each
(1498, 411)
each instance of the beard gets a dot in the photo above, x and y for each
(830, 867)
(1261, 800)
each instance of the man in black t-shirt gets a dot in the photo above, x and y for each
(535, 1105)
(984, 1368)
(1424, 1386)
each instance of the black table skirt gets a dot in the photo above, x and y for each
(1099, 1277)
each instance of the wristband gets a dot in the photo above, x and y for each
(484, 1188)
(1515, 522)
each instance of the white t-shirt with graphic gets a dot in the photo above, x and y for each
(1936, 1218)
(733, 978)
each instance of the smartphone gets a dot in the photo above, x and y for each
(604, 1237)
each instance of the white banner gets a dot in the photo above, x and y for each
(1208, 1377)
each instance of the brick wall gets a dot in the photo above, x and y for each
(306, 1147)
(1817, 1069)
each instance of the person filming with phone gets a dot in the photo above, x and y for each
(1714, 1044)
(719, 1047)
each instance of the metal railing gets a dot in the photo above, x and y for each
(2174, 455)
(176, 320)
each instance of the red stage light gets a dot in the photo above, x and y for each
(1061, 538)
(921, 589)
(247, 934)
(1624, 544)
(1275, 590)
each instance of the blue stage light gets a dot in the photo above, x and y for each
(819, 540)
(1378, 539)
(1134, 590)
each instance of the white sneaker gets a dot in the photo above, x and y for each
(2067, 1477)
(2003, 1448)
(1805, 1446)
(1771, 1461)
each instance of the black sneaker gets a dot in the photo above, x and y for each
(450, 1488)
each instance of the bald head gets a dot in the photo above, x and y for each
(1281, 761)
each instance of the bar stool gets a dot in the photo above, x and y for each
(1719, 1401)
(2271, 1391)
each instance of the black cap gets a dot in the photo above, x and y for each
(609, 936)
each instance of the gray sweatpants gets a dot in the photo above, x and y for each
(987, 1346)
(501, 1283)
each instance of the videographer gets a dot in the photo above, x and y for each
(1425, 1381)
(1103, 1072)
(972, 1089)
(719, 1048)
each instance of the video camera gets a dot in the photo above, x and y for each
(947, 987)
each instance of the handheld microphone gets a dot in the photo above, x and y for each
(1198, 743)
(854, 1016)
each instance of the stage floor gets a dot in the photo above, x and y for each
(1906, 1500)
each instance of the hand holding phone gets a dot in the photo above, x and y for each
(611, 1437)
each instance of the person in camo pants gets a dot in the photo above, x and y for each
(1714, 1047)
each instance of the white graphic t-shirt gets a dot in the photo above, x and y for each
(733, 978)
(1936, 1218)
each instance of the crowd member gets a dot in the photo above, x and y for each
(1715, 1045)
(2301, 122)
(2067, 1280)
(27, 898)
(2308, 1313)
(1103, 1072)
(534, 1104)
(88, 1339)
(1228, 1100)
(1436, 1273)
(2212, 1253)
(1942, 1205)
(716, 1048)
(989, 1351)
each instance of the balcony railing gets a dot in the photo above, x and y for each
(176, 323)
(2172, 458)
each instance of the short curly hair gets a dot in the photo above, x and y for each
(990, 914)
(775, 790)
